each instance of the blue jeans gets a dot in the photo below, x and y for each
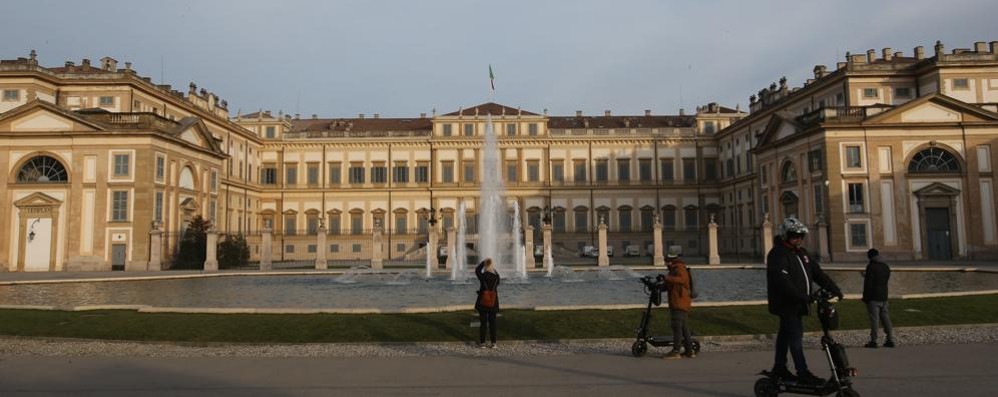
(790, 338)
(878, 313)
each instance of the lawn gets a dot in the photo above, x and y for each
(455, 326)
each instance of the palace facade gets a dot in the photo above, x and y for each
(887, 151)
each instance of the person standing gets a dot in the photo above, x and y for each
(790, 271)
(487, 303)
(875, 280)
(677, 283)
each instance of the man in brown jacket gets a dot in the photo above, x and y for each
(678, 284)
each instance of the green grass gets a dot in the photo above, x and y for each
(513, 325)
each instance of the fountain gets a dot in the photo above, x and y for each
(459, 270)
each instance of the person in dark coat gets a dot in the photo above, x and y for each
(875, 280)
(677, 283)
(790, 272)
(488, 281)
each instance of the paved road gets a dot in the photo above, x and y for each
(930, 370)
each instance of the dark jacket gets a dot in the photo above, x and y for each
(875, 281)
(678, 286)
(486, 280)
(788, 274)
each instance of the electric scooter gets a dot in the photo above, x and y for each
(841, 381)
(653, 288)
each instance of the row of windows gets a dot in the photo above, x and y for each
(510, 129)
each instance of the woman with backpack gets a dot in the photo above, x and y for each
(487, 303)
(680, 302)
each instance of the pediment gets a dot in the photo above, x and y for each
(37, 200)
(934, 108)
(192, 130)
(937, 189)
(189, 204)
(779, 127)
(38, 116)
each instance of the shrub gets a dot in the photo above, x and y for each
(193, 244)
(233, 252)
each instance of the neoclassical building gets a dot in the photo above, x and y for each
(887, 151)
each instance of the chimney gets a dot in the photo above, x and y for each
(819, 71)
(545, 112)
(128, 66)
(85, 63)
(192, 88)
(840, 65)
(994, 47)
(871, 55)
(919, 53)
(606, 113)
(898, 54)
(377, 116)
(109, 64)
(297, 116)
(940, 50)
(360, 116)
(578, 113)
(980, 47)
(422, 115)
(682, 112)
(314, 116)
(33, 55)
(647, 112)
(887, 54)
(70, 64)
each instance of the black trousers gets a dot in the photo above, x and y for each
(486, 318)
(680, 332)
(790, 337)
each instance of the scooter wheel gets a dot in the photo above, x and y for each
(847, 393)
(639, 348)
(766, 387)
(696, 346)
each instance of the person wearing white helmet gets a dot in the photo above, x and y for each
(790, 271)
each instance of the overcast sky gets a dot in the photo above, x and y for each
(401, 58)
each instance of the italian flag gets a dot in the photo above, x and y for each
(492, 78)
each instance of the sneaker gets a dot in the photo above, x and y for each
(783, 373)
(807, 377)
(672, 355)
(492, 346)
(889, 343)
(689, 354)
(873, 345)
(480, 345)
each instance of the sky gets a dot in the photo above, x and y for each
(401, 58)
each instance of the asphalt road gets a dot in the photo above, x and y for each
(928, 370)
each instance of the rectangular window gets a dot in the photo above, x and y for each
(559, 222)
(647, 220)
(160, 168)
(708, 127)
(334, 248)
(579, 167)
(602, 170)
(644, 170)
(119, 206)
(121, 164)
(313, 174)
(11, 95)
(290, 174)
(853, 159)
(468, 171)
(624, 220)
(669, 219)
(448, 130)
(871, 93)
(511, 171)
(356, 224)
(624, 170)
(289, 249)
(668, 169)
(557, 171)
(357, 173)
(335, 174)
(961, 84)
(311, 248)
(379, 173)
(158, 209)
(533, 171)
(581, 221)
(814, 162)
(469, 130)
(422, 173)
(400, 173)
(689, 170)
(710, 169)
(290, 225)
(692, 222)
(268, 175)
(356, 248)
(902, 92)
(819, 199)
(447, 172)
(334, 224)
(107, 101)
(214, 181)
(532, 129)
(270, 132)
(857, 235)
(856, 198)
(400, 224)
(312, 225)
(511, 129)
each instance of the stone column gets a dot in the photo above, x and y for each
(155, 248)
(321, 248)
(546, 235)
(528, 246)
(767, 237)
(266, 250)
(451, 248)
(431, 247)
(603, 259)
(211, 251)
(376, 251)
(823, 250)
(713, 258)
(658, 259)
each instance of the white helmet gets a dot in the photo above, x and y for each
(792, 226)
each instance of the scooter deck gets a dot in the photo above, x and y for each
(795, 387)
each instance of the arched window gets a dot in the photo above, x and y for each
(187, 178)
(42, 169)
(788, 173)
(934, 159)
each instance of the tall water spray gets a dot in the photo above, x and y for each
(495, 237)
(458, 270)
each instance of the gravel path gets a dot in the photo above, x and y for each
(13, 346)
